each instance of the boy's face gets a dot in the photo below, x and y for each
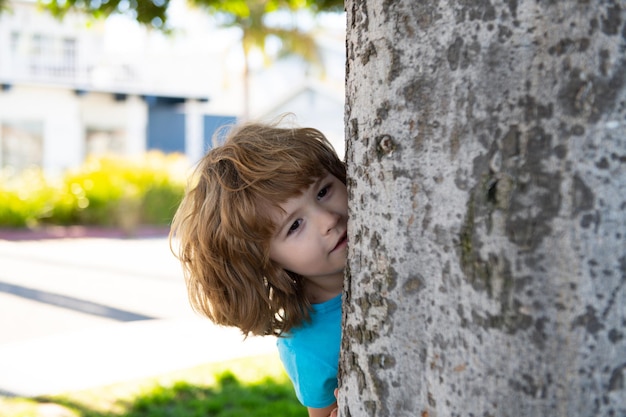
(311, 236)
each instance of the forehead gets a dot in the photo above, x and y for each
(279, 211)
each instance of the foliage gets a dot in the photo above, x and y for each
(250, 15)
(105, 191)
(148, 12)
(244, 8)
(25, 198)
(154, 12)
(249, 387)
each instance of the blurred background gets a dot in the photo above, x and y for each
(83, 101)
(101, 120)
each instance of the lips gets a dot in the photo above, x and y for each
(342, 241)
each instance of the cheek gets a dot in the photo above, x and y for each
(274, 252)
(282, 254)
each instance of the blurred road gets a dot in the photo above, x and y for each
(84, 312)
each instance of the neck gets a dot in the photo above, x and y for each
(320, 290)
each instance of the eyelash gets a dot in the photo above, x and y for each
(321, 194)
(324, 191)
(295, 225)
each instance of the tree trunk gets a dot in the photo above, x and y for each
(486, 151)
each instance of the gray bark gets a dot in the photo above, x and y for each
(486, 151)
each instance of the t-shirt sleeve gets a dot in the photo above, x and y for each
(314, 380)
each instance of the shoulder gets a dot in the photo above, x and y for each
(310, 355)
(325, 322)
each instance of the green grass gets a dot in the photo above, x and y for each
(250, 387)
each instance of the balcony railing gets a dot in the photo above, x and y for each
(66, 72)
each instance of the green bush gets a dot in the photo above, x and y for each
(105, 191)
(25, 198)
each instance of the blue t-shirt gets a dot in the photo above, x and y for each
(310, 354)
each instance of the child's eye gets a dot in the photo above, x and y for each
(323, 192)
(294, 226)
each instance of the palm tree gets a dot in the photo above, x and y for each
(250, 17)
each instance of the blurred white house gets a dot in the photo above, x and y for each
(76, 87)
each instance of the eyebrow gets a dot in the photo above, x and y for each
(284, 222)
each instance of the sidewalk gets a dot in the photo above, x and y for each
(108, 354)
(113, 353)
(84, 312)
(74, 232)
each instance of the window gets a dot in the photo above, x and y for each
(21, 145)
(42, 55)
(69, 56)
(15, 43)
(104, 141)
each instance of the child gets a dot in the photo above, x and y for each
(263, 243)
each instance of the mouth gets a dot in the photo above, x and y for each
(343, 240)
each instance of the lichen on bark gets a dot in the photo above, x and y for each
(487, 170)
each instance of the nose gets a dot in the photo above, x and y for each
(328, 220)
